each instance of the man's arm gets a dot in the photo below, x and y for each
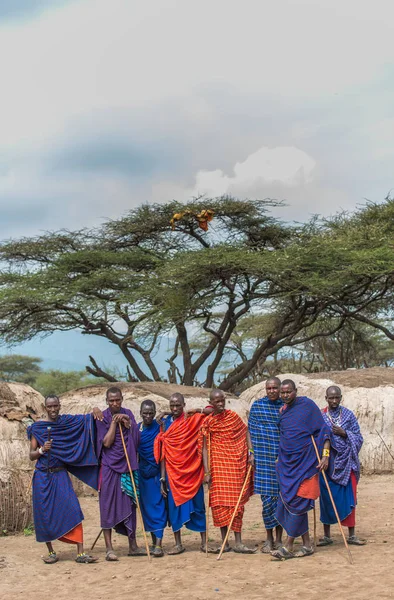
(250, 448)
(323, 464)
(163, 482)
(205, 460)
(36, 452)
(208, 410)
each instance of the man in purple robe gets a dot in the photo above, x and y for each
(298, 467)
(117, 509)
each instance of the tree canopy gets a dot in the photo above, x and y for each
(142, 278)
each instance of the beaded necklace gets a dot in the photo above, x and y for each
(335, 420)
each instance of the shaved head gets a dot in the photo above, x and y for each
(333, 389)
(216, 394)
(275, 380)
(178, 396)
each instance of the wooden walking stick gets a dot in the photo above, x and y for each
(386, 446)
(207, 517)
(135, 490)
(96, 540)
(234, 513)
(332, 502)
(314, 527)
(49, 452)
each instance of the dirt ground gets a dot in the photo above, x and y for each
(327, 574)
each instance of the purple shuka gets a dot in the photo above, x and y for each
(117, 510)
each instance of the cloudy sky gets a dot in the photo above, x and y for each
(109, 103)
(106, 104)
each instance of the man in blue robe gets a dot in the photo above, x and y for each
(344, 469)
(153, 504)
(298, 467)
(61, 444)
(263, 426)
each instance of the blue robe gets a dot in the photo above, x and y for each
(153, 504)
(56, 508)
(190, 514)
(297, 461)
(263, 427)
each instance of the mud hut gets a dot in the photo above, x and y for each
(19, 406)
(369, 393)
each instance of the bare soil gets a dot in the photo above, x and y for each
(327, 574)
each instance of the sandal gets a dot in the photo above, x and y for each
(325, 541)
(242, 549)
(177, 549)
(355, 541)
(217, 550)
(138, 552)
(111, 556)
(282, 553)
(304, 551)
(52, 558)
(157, 552)
(267, 547)
(85, 559)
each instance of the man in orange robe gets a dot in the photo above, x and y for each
(182, 471)
(225, 441)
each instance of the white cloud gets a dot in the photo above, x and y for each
(286, 165)
(218, 79)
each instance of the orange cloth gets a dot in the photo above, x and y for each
(178, 447)
(222, 516)
(75, 536)
(310, 488)
(226, 437)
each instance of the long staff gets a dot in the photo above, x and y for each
(386, 446)
(314, 527)
(234, 513)
(207, 514)
(49, 451)
(332, 502)
(96, 540)
(135, 490)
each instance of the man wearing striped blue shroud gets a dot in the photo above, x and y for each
(264, 434)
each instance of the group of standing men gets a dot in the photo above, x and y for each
(167, 461)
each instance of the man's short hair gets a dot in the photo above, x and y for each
(276, 379)
(289, 382)
(149, 403)
(51, 397)
(178, 396)
(113, 390)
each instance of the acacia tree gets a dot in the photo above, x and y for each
(137, 280)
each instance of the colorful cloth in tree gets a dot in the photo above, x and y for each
(228, 449)
(344, 468)
(297, 462)
(117, 510)
(56, 509)
(153, 504)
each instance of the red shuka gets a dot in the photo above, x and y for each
(226, 434)
(178, 447)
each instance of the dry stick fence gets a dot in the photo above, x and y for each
(15, 503)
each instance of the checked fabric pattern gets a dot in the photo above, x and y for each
(264, 433)
(226, 434)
